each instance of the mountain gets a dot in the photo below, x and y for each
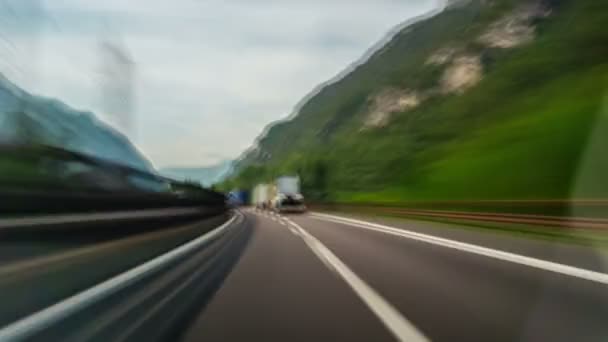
(251, 154)
(484, 99)
(206, 176)
(29, 118)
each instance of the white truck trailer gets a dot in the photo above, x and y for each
(288, 185)
(262, 196)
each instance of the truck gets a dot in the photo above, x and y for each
(288, 198)
(238, 197)
(288, 185)
(263, 195)
(289, 203)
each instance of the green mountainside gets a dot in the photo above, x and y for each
(489, 99)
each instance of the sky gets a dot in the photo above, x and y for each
(206, 76)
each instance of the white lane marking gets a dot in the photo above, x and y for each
(32, 324)
(572, 271)
(293, 230)
(401, 328)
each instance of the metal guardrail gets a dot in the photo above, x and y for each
(98, 202)
(66, 181)
(26, 203)
(491, 217)
(93, 227)
(50, 323)
(538, 220)
(62, 219)
(42, 179)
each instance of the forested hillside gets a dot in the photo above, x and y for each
(490, 99)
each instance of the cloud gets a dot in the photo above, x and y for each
(209, 74)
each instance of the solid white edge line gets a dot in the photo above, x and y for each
(29, 325)
(572, 271)
(293, 230)
(398, 325)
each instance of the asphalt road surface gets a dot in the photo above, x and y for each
(322, 278)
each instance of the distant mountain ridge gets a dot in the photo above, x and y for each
(206, 176)
(30, 118)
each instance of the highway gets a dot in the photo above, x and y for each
(252, 275)
(322, 278)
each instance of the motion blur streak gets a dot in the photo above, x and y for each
(40, 320)
(345, 170)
